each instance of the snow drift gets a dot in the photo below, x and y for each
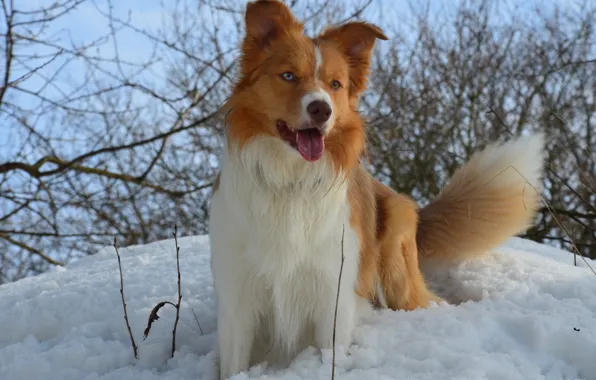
(526, 313)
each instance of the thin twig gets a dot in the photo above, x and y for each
(198, 324)
(574, 248)
(153, 315)
(30, 249)
(341, 269)
(132, 339)
(179, 291)
(571, 240)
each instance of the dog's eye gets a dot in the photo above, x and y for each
(289, 76)
(335, 85)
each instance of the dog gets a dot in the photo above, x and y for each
(293, 205)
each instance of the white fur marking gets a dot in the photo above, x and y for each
(318, 62)
(275, 233)
(381, 295)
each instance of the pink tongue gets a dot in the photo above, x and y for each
(310, 144)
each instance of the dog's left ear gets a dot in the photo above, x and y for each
(356, 41)
(266, 20)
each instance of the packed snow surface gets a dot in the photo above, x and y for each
(523, 312)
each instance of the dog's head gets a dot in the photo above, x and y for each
(301, 90)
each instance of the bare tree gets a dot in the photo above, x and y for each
(100, 142)
(485, 72)
(98, 145)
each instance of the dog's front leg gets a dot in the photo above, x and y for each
(236, 324)
(325, 318)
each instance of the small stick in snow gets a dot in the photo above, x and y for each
(179, 292)
(341, 269)
(197, 319)
(132, 339)
(153, 315)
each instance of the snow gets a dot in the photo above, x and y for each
(526, 313)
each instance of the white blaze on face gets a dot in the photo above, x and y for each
(318, 94)
(318, 62)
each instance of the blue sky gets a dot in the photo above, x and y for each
(87, 24)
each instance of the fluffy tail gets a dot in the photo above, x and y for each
(491, 198)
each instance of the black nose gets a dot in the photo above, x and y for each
(319, 111)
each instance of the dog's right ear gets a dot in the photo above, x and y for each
(267, 20)
(356, 41)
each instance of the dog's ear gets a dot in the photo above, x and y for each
(266, 20)
(356, 41)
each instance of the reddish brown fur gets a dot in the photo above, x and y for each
(386, 223)
(403, 283)
(275, 44)
(474, 214)
(356, 40)
(363, 220)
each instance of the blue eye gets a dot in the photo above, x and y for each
(288, 76)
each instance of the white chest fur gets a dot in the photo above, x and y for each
(276, 231)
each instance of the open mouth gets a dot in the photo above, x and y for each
(309, 142)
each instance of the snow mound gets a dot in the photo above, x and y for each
(523, 312)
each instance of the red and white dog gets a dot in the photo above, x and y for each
(292, 186)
